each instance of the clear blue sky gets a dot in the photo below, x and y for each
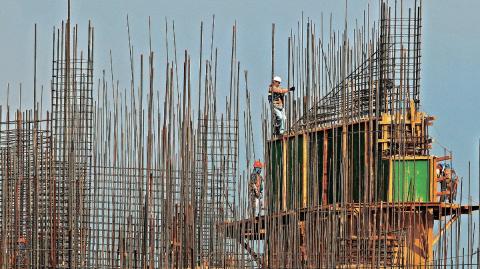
(451, 43)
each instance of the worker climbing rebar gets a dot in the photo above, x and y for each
(256, 189)
(276, 96)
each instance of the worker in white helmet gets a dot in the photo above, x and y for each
(276, 97)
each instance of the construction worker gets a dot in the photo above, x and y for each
(21, 255)
(256, 188)
(440, 173)
(448, 182)
(276, 97)
(439, 170)
(451, 182)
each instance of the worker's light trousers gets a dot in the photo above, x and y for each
(280, 118)
(256, 206)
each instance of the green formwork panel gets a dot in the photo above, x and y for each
(356, 146)
(294, 172)
(315, 180)
(383, 177)
(335, 181)
(411, 180)
(275, 176)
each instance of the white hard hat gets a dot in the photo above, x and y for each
(277, 78)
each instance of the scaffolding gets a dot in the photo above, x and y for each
(139, 177)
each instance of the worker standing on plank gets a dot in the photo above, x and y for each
(256, 188)
(276, 96)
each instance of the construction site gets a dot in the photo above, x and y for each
(121, 172)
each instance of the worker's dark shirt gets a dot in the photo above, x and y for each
(276, 98)
(255, 187)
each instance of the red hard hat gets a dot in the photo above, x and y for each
(257, 164)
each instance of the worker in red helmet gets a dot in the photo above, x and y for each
(256, 188)
(21, 257)
(22, 240)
